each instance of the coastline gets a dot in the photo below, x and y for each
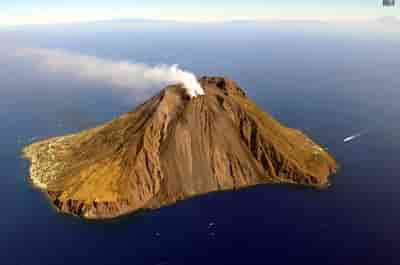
(27, 155)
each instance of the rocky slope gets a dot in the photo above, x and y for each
(173, 147)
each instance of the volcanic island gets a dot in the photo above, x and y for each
(173, 147)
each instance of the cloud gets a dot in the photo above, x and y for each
(135, 80)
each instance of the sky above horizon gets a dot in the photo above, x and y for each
(26, 12)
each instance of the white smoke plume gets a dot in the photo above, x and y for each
(132, 78)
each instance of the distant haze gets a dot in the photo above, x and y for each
(28, 12)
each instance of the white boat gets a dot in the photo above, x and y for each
(351, 138)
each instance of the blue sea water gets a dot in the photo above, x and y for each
(326, 81)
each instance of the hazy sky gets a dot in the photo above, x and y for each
(17, 12)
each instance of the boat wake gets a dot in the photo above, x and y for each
(352, 137)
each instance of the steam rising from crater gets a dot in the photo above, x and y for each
(136, 79)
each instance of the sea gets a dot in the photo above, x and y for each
(331, 81)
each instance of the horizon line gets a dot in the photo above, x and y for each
(210, 21)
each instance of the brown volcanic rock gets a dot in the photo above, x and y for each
(171, 148)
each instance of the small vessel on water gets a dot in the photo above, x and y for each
(351, 138)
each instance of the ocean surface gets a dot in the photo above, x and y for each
(329, 81)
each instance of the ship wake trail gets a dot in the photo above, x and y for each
(352, 137)
(137, 80)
